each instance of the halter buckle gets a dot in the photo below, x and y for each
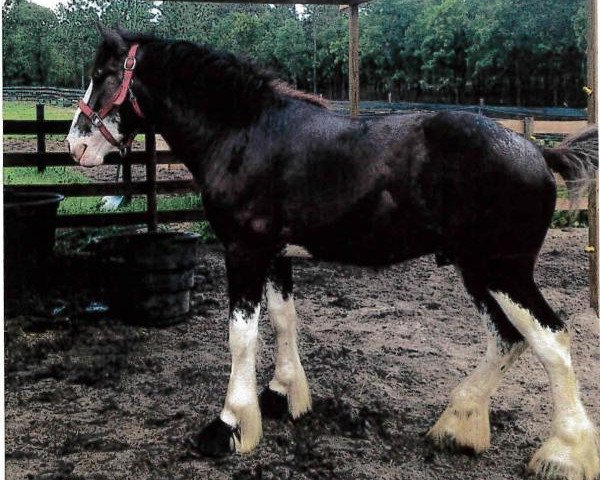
(129, 63)
(95, 119)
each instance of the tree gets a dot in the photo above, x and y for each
(26, 54)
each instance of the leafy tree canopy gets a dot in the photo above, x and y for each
(505, 51)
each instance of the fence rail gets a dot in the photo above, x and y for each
(150, 157)
(43, 94)
(150, 188)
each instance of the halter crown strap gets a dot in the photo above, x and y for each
(116, 101)
(121, 94)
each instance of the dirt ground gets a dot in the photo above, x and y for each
(88, 397)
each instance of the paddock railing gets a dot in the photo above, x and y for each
(150, 188)
(150, 157)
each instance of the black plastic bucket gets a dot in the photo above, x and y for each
(149, 276)
(29, 231)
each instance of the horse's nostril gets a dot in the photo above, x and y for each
(78, 151)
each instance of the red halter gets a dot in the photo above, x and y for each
(116, 101)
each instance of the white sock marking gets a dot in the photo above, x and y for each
(241, 403)
(289, 378)
(573, 449)
(466, 420)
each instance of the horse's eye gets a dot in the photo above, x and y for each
(97, 74)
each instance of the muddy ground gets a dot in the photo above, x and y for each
(88, 397)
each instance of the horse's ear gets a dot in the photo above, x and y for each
(122, 31)
(112, 38)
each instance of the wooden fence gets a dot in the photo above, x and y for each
(150, 157)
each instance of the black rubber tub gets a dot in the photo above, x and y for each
(149, 276)
(29, 232)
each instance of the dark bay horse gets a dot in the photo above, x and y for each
(277, 168)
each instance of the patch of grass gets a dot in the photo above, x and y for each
(88, 205)
(54, 175)
(205, 231)
(17, 110)
(562, 192)
(30, 176)
(570, 218)
(188, 201)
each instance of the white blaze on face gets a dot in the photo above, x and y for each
(90, 148)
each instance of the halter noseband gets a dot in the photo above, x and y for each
(97, 118)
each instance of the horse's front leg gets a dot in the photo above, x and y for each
(238, 427)
(288, 390)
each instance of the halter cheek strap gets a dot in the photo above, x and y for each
(116, 101)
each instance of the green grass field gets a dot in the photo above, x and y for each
(26, 111)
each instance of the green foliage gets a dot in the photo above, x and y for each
(505, 51)
(568, 218)
(26, 47)
(205, 231)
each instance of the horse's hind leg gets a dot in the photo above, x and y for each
(288, 390)
(464, 425)
(573, 449)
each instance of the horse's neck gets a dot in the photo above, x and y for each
(196, 105)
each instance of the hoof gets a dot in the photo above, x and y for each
(464, 428)
(578, 459)
(273, 404)
(449, 443)
(215, 440)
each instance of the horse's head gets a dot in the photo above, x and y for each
(108, 115)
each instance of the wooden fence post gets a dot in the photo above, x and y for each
(151, 180)
(528, 127)
(592, 84)
(41, 136)
(353, 60)
(126, 165)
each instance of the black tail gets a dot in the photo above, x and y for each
(576, 160)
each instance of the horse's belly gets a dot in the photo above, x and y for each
(361, 245)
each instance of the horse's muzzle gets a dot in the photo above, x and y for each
(77, 150)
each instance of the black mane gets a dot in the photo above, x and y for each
(230, 86)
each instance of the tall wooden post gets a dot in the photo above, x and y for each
(41, 136)
(592, 83)
(151, 180)
(353, 62)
